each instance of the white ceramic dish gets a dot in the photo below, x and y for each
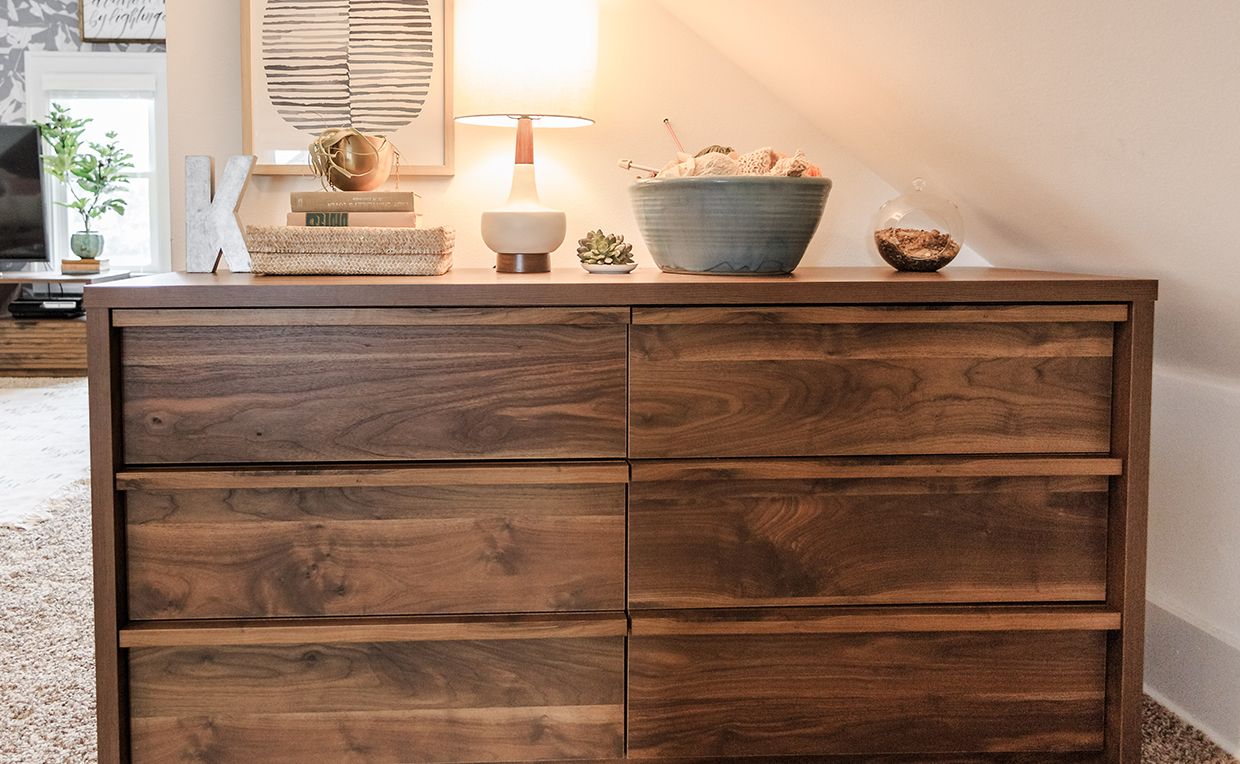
(596, 268)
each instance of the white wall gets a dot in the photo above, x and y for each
(1083, 136)
(1194, 528)
(1193, 644)
(650, 68)
(204, 96)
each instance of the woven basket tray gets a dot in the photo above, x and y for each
(350, 251)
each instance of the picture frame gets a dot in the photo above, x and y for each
(121, 21)
(403, 101)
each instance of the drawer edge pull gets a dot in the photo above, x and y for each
(338, 477)
(369, 316)
(897, 314)
(263, 634)
(882, 622)
(808, 469)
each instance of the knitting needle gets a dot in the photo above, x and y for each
(628, 164)
(679, 148)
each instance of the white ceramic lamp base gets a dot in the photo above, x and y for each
(524, 232)
(524, 237)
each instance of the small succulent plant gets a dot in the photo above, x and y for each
(599, 248)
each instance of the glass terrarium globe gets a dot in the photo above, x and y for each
(917, 231)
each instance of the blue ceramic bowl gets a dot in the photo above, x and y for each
(740, 225)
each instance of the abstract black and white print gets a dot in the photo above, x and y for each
(366, 64)
(40, 25)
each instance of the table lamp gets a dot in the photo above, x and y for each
(524, 62)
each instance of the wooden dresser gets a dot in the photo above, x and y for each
(846, 515)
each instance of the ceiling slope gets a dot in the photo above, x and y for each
(1098, 136)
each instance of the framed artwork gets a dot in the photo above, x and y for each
(121, 20)
(383, 67)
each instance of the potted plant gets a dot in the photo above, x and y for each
(605, 253)
(93, 173)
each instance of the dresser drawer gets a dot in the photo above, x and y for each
(797, 688)
(475, 538)
(801, 381)
(463, 694)
(361, 385)
(743, 533)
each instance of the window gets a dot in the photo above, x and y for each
(125, 93)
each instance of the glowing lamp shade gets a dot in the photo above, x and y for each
(520, 63)
(533, 58)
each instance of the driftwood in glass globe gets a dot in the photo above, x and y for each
(918, 231)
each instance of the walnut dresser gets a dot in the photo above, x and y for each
(846, 515)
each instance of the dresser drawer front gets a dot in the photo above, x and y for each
(921, 692)
(792, 540)
(392, 549)
(239, 394)
(793, 384)
(415, 702)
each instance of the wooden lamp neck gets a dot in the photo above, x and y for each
(525, 140)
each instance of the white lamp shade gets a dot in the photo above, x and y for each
(534, 58)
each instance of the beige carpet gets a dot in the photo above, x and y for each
(47, 683)
(1166, 739)
(47, 675)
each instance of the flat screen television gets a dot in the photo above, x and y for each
(23, 212)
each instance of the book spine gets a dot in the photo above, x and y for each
(325, 218)
(325, 201)
(344, 219)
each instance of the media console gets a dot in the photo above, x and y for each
(846, 515)
(44, 346)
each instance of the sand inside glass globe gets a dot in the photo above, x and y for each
(918, 231)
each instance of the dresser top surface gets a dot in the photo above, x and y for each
(645, 286)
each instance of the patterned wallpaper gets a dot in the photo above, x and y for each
(40, 25)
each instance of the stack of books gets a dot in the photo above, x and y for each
(351, 233)
(381, 209)
(83, 267)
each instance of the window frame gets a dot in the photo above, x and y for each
(94, 71)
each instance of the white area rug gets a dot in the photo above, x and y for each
(44, 446)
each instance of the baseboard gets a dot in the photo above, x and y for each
(1194, 674)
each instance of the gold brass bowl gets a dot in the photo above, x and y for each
(360, 163)
(347, 160)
